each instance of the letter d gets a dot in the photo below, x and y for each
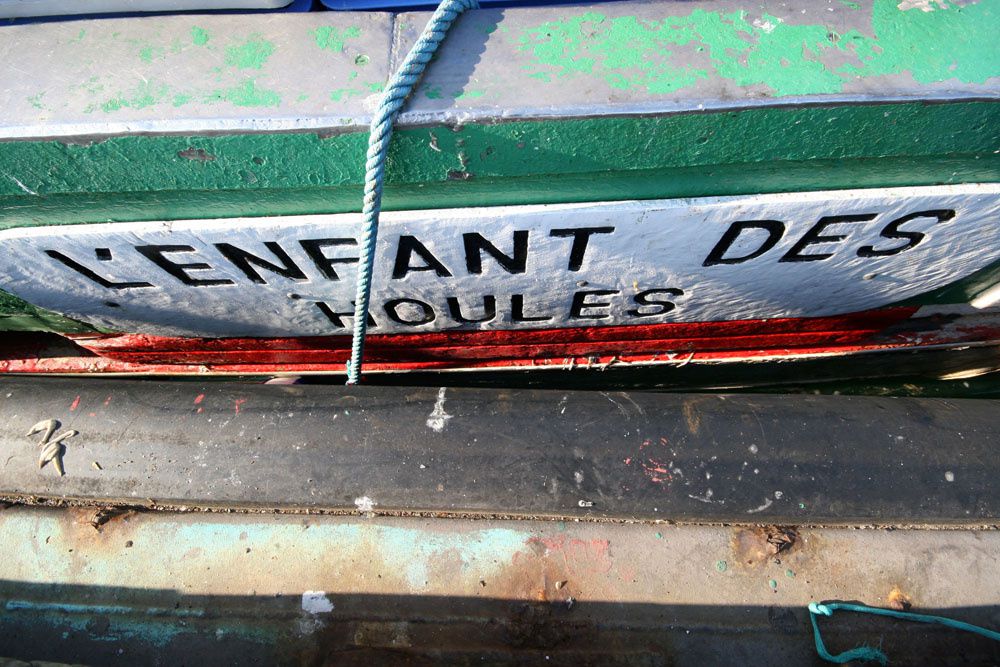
(775, 230)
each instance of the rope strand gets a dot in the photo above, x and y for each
(869, 653)
(393, 99)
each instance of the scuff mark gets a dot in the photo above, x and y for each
(707, 498)
(767, 503)
(438, 417)
(21, 185)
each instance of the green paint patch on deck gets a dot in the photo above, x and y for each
(628, 53)
(245, 94)
(251, 53)
(330, 38)
(199, 36)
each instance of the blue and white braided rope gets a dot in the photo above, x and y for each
(393, 99)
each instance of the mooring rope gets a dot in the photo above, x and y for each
(869, 653)
(393, 99)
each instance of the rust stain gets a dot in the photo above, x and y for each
(691, 417)
(899, 600)
(759, 545)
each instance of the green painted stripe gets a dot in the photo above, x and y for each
(761, 150)
(561, 160)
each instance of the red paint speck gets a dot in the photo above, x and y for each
(239, 402)
(200, 410)
(628, 461)
(199, 398)
(93, 414)
(75, 404)
(107, 401)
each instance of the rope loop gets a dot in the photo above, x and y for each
(869, 653)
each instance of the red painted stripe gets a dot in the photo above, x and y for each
(462, 348)
(597, 347)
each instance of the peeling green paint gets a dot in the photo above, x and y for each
(143, 95)
(246, 94)
(800, 59)
(341, 94)
(148, 52)
(330, 38)
(36, 100)
(250, 54)
(199, 36)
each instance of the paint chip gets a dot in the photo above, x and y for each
(438, 417)
(316, 602)
(949, 476)
(365, 504)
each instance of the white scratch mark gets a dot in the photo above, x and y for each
(621, 408)
(365, 504)
(438, 417)
(707, 498)
(767, 503)
(578, 477)
(316, 602)
(22, 185)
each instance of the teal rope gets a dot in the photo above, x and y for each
(868, 653)
(398, 89)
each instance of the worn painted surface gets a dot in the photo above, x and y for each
(301, 590)
(514, 268)
(626, 69)
(320, 70)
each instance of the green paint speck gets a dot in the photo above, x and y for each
(302, 97)
(433, 93)
(849, 4)
(247, 94)
(659, 536)
(199, 36)
(80, 35)
(375, 87)
(36, 100)
(333, 39)
(181, 99)
(468, 94)
(721, 566)
(773, 584)
(251, 54)
(144, 95)
(362, 60)
(148, 52)
(789, 574)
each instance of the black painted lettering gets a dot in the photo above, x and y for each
(517, 311)
(475, 244)
(774, 228)
(649, 299)
(815, 236)
(581, 237)
(157, 255)
(893, 231)
(335, 317)
(93, 275)
(581, 302)
(314, 248)
(392, 305)
(245, 261)
(408, 246)
(489, 310)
